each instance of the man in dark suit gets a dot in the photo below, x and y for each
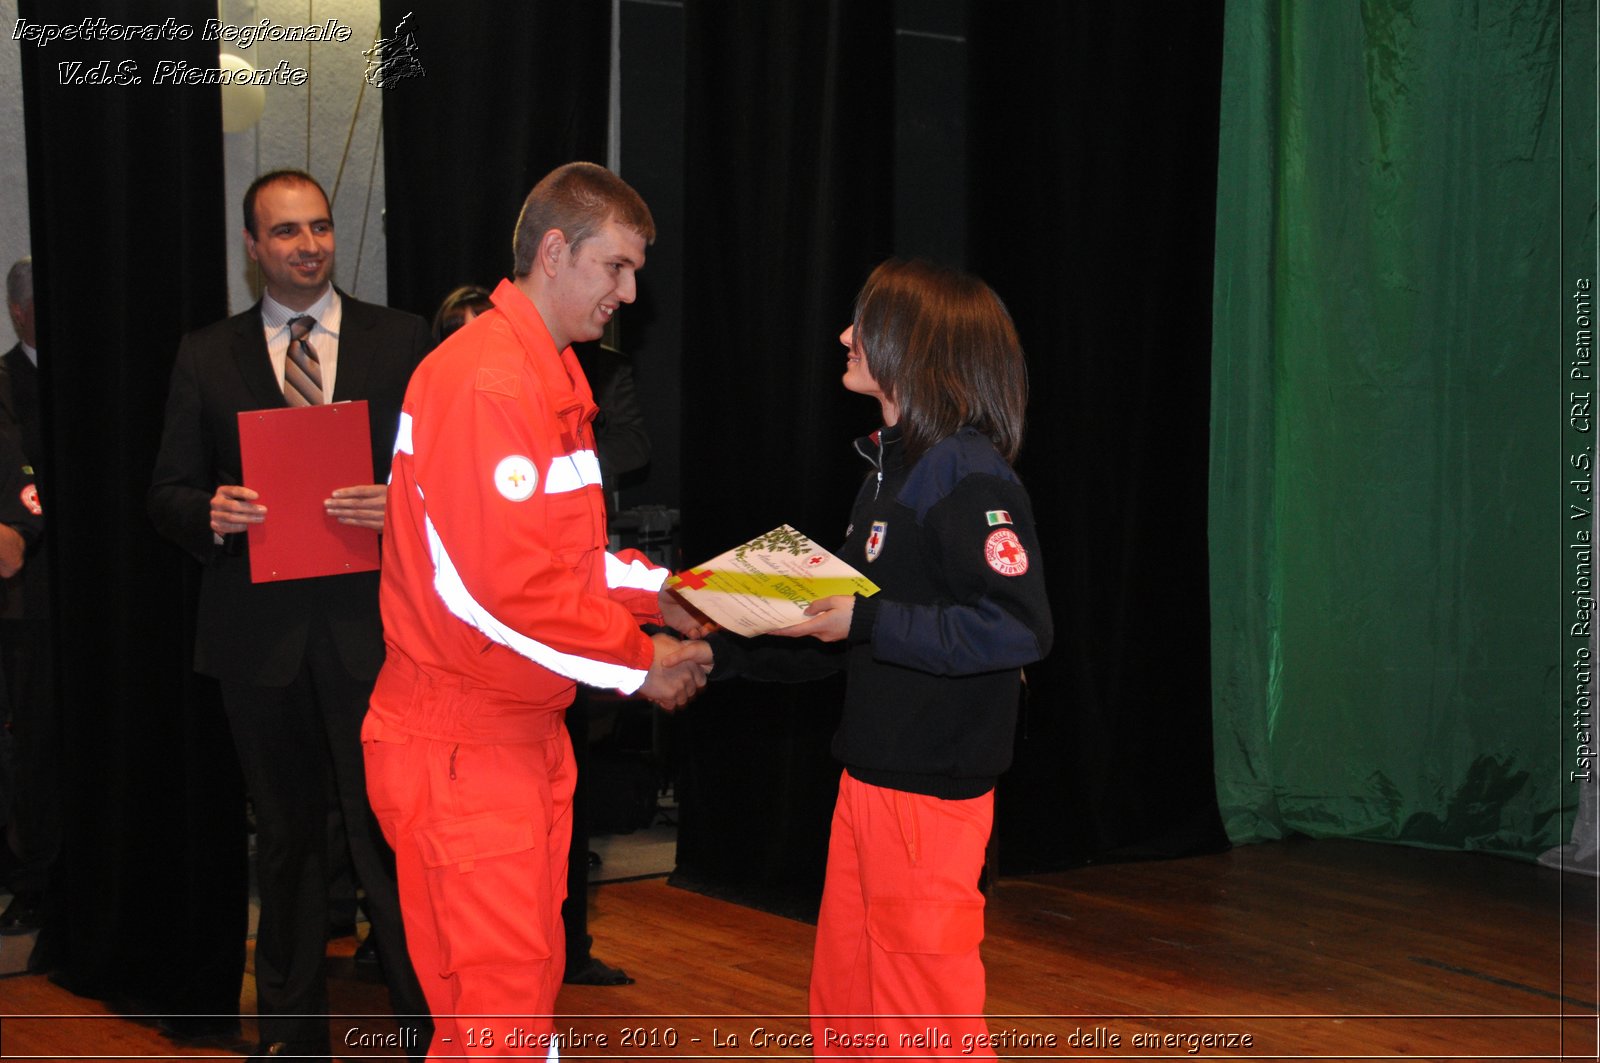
(22, 361)
(33, 830)
(296, 658)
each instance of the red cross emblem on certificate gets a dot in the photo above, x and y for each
(695, 581)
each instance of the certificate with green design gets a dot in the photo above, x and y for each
(766, 583)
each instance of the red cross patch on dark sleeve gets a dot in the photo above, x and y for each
(1004, 552)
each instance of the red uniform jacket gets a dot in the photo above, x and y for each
(496, 579)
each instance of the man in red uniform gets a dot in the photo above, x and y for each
(498, 597)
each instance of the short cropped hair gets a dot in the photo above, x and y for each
(273, 177)
(19, 282)
(943, 348)
(578, 198)
(452, 313)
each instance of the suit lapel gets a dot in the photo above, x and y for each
(11, 383)
(23, 371)
(356, 350)
(254, 363)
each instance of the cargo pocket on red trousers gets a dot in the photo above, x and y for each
(946, 929)
(489, 889)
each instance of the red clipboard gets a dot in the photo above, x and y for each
(293, 458)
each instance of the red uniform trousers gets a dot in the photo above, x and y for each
(480, 832)
(901, 920)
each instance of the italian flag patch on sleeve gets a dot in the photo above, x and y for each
(997, 516)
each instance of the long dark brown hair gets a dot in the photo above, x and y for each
(942, 346)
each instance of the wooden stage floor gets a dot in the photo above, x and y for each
(1292, 950)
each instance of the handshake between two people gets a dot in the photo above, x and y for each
(680, 667)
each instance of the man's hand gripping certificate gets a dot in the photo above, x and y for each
(768, 582)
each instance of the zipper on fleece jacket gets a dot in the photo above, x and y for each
(876, 460)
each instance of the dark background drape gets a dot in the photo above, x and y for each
(128, 223)
(460, 157)
(788, 203)
(1089, 148)
(1093, 190)
(462, 147)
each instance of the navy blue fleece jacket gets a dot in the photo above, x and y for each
(934, 659)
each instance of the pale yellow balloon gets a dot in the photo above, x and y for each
(241, 104)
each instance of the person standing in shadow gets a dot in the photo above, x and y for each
(33, 833)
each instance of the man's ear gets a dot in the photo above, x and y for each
(250, 244)
(552, 245)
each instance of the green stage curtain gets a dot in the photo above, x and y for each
(1384, 531)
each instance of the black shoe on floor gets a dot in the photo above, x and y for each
(21, 915)
(366, 954)
(186, 1029)
(596, 973)
(307, 1053)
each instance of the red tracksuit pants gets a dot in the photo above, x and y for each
(896, 970)
(480, 835)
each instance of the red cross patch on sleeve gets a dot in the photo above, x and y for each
(515, 478)
(1004, 552)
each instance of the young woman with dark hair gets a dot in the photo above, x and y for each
(934, 662)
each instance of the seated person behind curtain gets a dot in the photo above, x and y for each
(934, 660)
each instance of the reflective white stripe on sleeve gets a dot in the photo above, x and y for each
(447, 581)
(572, 472)
(402, 435)
(402, 443)
(633, 574)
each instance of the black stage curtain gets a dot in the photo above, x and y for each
(505, 98)
(126, 206)
(1093, 197)
(787, 202)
